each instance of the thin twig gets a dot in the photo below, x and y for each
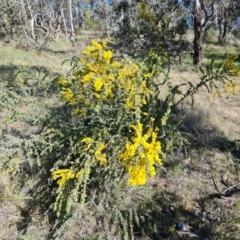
(215, 185)
(229, 188)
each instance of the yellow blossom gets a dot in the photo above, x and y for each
(87, 78)
(90, 50)
(135, 66)
(88, 141)
(145, 149)
(101, 157)
(144, 102)
(138, 176)
(62, 82)
(107, 55)
(96, 45)
(97, 95)
(104, 42)
(98, 84)
(147, 75)
(63, 175)
(109, 93)
(116, 64)
(67, 94)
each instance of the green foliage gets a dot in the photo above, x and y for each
(153, 29)
(9, 21)
(210, 78)
(182, 26)
(210, 35)
(89, 20)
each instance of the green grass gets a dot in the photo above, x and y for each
(218, 53)
(49, 57)
(214, 51)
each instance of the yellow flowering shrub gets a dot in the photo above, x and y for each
(112, 95)
(111, 130)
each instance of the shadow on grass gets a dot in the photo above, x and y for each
(7, 72)
(171, 222)
(201, 135)
(157, 219)
(35, 80)
(220, 56)
(59, 52)
(42, 197)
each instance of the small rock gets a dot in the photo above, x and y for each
(181, 227)
(204, 218)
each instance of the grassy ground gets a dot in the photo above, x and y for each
(198, 185)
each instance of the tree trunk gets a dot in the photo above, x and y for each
(222, 34)
(197, 43)
(72, 34)
(64, 23)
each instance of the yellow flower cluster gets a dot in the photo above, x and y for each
(63, 175)
(145, 150)
(67, 95)
(99, 156)
(92, 49)
(98, 84)
(231, 87)
(89, 142)
(101, 79)
(62, 82)
(107, 55)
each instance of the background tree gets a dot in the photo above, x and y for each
(227, 14)
(197, 43)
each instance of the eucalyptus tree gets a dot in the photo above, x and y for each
(103, 14)
(228, 12)
(222, 14)
(152, 24)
